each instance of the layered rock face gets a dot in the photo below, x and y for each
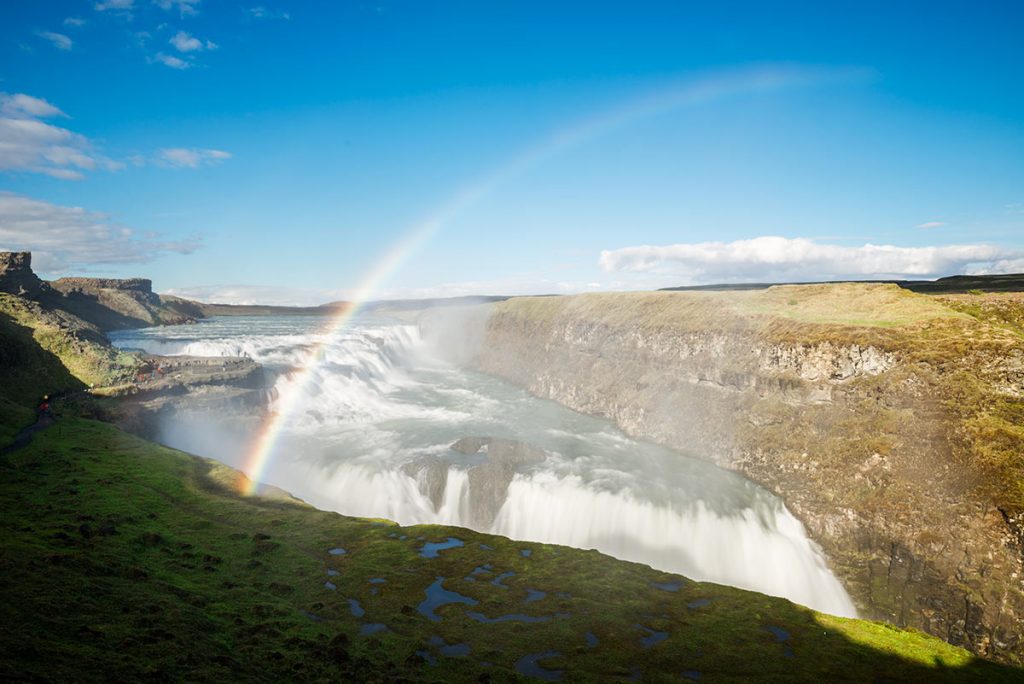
(104, 303)
(118, 303)
(489, 478)
(16, 276)
(850, 424)
(229, 389)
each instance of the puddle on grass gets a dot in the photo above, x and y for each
(377, 580)
(526, 552)
(781, 636)
(433, 549)
(591, 639)
(438, 596)
(355, 608)
(497, 581)
(331, 572)
(456, 650)
(427, 656)
(667, 586)
(698, 603)
(511, 617)
(692, 674)
(529, 665)
(653, 636)
(331, 585)
(485, 547)
(372, 628)
(337, 551)
(534, 595)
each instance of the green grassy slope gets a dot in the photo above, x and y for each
(123, 560)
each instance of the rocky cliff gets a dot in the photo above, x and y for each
(104, 303)
(16, 275)
(67, 319)
(887, 421)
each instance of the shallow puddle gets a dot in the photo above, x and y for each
(433, 549)
(355, 608)
(529, 665)
(653, 636)
(497, 581)
(372, 628)
(438, 596)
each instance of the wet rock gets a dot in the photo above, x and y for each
(431, 474)
(488, 480)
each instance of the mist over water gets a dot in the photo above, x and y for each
(371, 436)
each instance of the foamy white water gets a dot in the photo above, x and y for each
(380, 405)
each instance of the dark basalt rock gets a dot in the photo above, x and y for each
(488, 480)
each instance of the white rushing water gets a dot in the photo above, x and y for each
(380, 405)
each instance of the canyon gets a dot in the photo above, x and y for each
(887, 421)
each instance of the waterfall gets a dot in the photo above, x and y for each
(379, 409)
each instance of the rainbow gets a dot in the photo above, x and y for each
(745, 82)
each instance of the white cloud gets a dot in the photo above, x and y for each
(29, 144)
(65, 239)
(20, 105)
(264, 13)
(74, 21)
(59, 40)
(184, 7)
(171, 61)
(114, 5)
(191, 157)
(1001, 266)
(300, 296)
(188, 43)
(778, 258)
(260, 294)
(931, 224)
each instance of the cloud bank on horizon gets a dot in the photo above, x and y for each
(773, 258)
(65, 240)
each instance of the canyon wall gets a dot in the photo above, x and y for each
(863, 407)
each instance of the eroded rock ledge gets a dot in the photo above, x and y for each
(850, 424)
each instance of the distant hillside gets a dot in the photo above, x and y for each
(328, 308)
(959, 284)
(103, 303)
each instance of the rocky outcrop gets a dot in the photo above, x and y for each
(143, 286)
(16, 276)
(488, 478)
(103, 303)
(229, 389)
(117, 304)
(854, 426)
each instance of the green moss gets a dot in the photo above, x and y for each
(88, 361)
(125, 560)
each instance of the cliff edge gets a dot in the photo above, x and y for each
(888, 421)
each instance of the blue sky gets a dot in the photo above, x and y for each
(281, 151)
